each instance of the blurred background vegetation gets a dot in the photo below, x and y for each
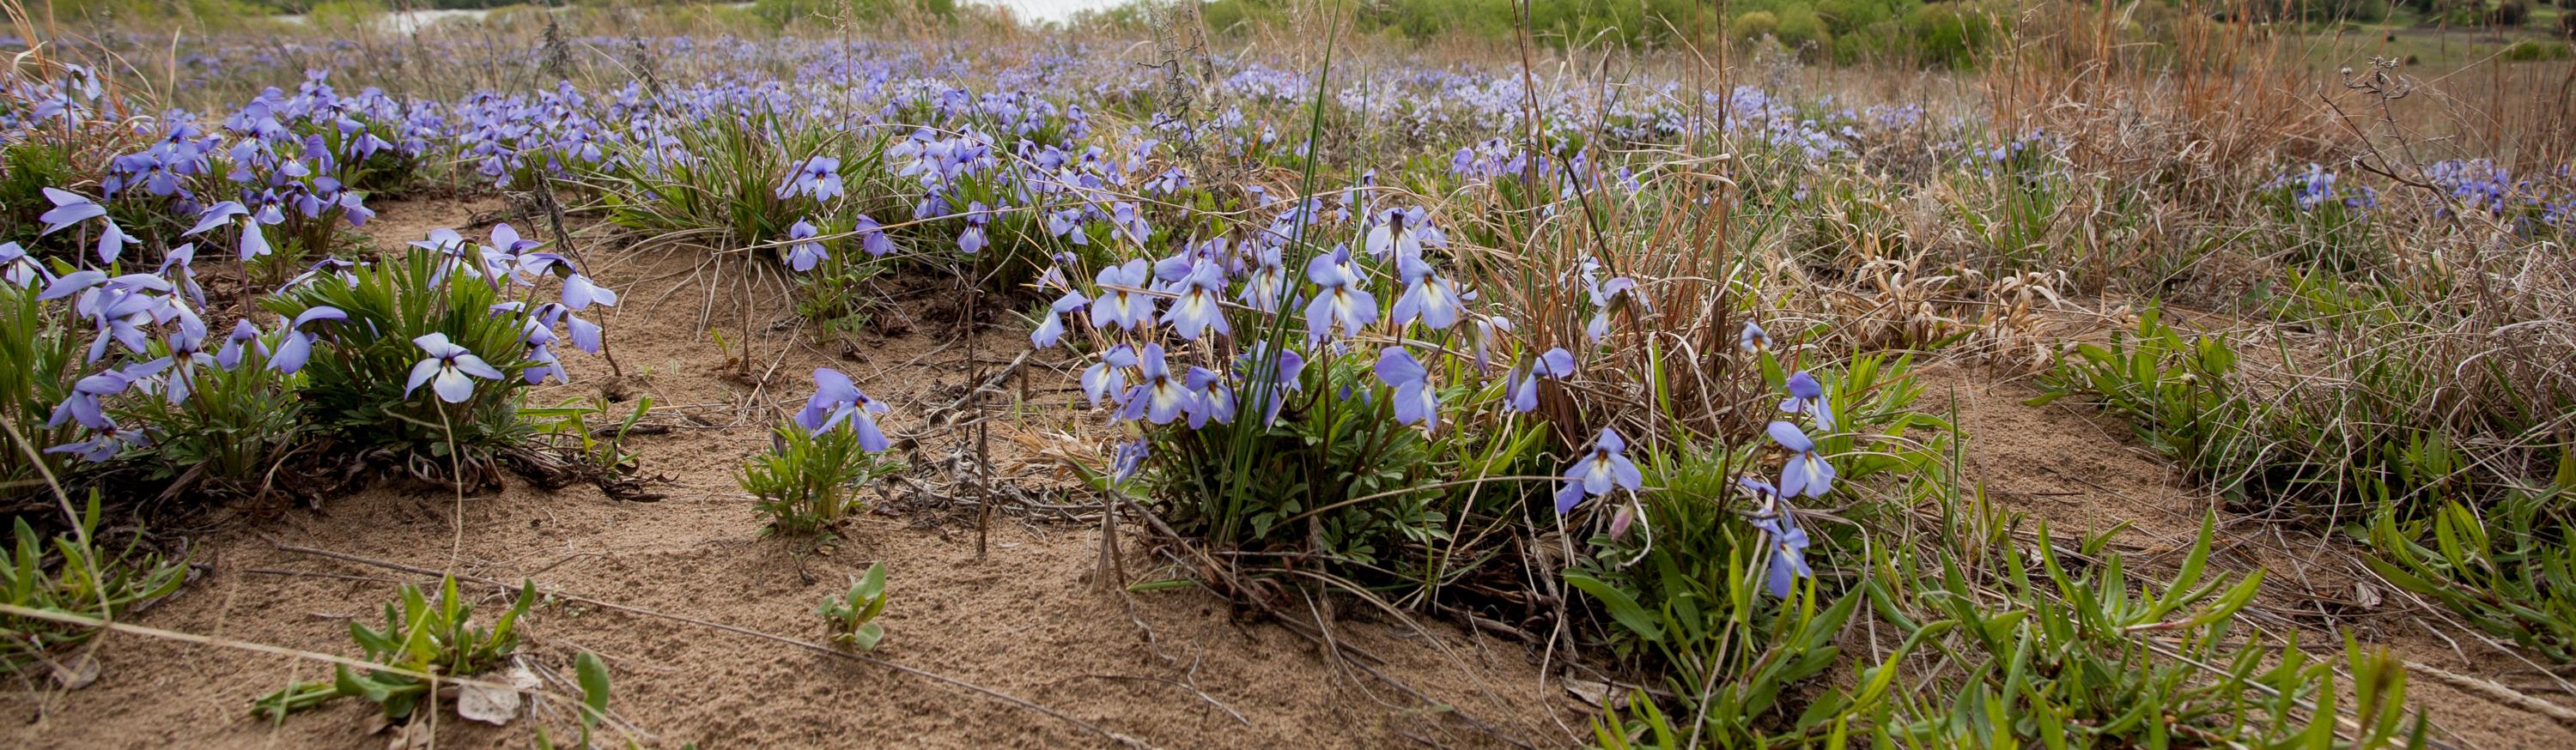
(1938, 33)
(1954, 34)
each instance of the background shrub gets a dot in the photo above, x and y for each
(2530, 50)
(788, 12)
(1754, 26)
(1947, 34)
(1802, 30)
(346, 16)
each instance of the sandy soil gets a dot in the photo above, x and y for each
(2081, 471)
(1174, 668)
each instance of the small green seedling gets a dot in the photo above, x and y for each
(83, 578)
(593, 675)
(568, 422)
(851, 616)
(809, 480)
(421, 637)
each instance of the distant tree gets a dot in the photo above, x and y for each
(2512, 13)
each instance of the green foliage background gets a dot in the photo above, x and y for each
(1842, 31)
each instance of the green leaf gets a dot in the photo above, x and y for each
(501, 631)
(873, 583)
(593, 676)
(2400, 577)
(1623, 607)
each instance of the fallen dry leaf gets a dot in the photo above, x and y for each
(1591, 693)
(76, 672)
(495, 705)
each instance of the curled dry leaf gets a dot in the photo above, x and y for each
(1593, 692)
(493, 705)
(76, 671)
(418, 735)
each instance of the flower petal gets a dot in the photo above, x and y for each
(452, 385)
(475, 366)
(420, 373)
(1790, 437)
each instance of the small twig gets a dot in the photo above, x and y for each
(312, 574)
(67, 618)
(942, 414)
(1202, 694)
(2491, 689)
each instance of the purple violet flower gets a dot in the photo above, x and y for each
(1123, 302)
(1786, 547)
(297, 345)
(1753, 340)
(872, 238)
(17, 267)
(1339, 299)
(1200, 307)
(1417, 401)
(1606, 468)
(69, 208)
(1432, 298)
(818, 177)
(1108, 377)
(1806, 396)
(1052, 328)
(1129, 460)
(1520, 387)
(1806, 474)
(244, 334)
(837, 400)
(450, 369)
(805, 252)
(1158, 397)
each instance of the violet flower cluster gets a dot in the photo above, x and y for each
(1805, 473)
(147, 334)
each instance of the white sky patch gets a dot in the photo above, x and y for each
(1050, 10)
